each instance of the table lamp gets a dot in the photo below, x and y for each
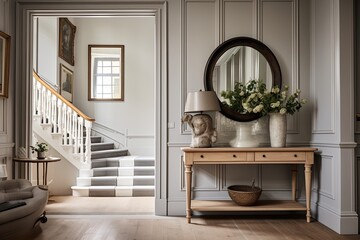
(203, 132)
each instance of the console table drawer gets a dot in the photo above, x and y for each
(220, 157)
(279, 156)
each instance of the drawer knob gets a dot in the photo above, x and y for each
(264, 155)
(202, 156)
(295, 155)
(234, 156)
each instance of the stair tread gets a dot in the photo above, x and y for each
(114, 187)
(110, 150)
(111, 177)
(134, 167)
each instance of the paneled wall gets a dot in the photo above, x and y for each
(332, 91)
(204, 25)
(6, 104)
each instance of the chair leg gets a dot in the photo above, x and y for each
(42, 219)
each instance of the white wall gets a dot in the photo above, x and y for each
(47, 49)
(136, 113)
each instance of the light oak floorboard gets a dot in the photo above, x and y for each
(146, 227)
(93, 218)
(100, 205)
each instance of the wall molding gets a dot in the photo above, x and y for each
(313, 91)
(185, 130)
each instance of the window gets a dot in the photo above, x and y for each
(106, 72)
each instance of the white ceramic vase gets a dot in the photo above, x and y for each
(277, 129)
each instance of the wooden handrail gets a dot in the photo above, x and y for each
(69, 104)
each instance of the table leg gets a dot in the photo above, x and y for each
(45, 174)
(294, 178)
(37, 173)
(13, 169)
(308, 191)
(188, 172)
(27, 169)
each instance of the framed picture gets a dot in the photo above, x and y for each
(4, 64)
(66, 83)
(66, 40)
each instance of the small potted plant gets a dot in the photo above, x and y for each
(40, 148)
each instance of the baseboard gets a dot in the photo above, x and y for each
(342, 224)
(161, 207)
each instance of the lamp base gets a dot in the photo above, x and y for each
(203, 134)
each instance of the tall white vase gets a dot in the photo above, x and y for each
(277, 129)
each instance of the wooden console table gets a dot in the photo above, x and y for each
(27, 162)
(296, 155)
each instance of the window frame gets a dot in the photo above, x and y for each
(91, 72)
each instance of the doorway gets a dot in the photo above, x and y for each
(156, 11)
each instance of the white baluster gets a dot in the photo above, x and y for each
(88, 126)
(81, 138)
(43, 104)
(53, 113)
(48, 106)
(59, 116)
(38, 98)
(75, 132)
(64, 125)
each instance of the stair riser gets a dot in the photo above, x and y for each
(97, 155)
(135, 182)
(107, 146)
(122, 163)
(114, 193)
(121, 172)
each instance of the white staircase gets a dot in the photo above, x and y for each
(103, 169)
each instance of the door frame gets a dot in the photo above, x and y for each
(26, 10)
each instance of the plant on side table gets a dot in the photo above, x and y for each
(277, 104)
(40, 148)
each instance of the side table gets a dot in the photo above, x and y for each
(27, 162)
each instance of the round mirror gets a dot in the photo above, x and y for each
(239, 60)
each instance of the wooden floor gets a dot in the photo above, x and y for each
(100, 205)
(96, 225)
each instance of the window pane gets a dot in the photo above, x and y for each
(107, 81)
(99, 63)
(107, 70)
(107, 96)
(116, 63)
(107, 63)
(99, 89)
(99, 80)
(107, 89)
(116, 81)
(116, 70)
(99, 70)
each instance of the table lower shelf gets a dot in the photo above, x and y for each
(262, 205)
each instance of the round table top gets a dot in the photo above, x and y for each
(37, 160)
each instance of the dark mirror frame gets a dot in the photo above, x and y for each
(221, 49)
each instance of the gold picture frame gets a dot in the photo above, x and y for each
(4, 64)
(66, 83)
(66, 40)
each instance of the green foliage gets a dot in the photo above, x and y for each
(255, 98)
(250, 93)
(39, 147)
